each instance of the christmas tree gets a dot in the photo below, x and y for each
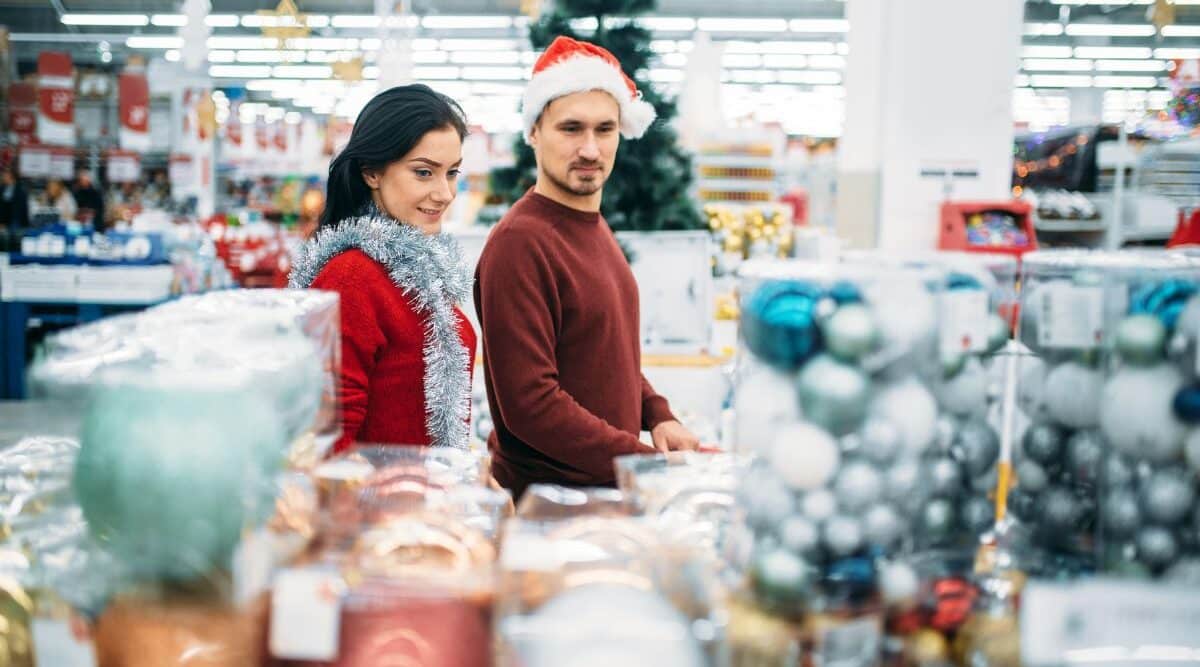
(648, 189)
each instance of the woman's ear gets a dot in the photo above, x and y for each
(371, 178)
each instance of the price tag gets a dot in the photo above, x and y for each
(55, 644)
(306, 610)
(1070, 316)
(1128, 623)
(965, 321)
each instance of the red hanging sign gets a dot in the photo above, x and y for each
(134, 105)
(22, 114)
(281, 138)
(56, 99)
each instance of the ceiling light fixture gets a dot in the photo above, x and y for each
(132, 20)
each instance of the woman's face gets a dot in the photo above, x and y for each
(54, 189)
(419, 187)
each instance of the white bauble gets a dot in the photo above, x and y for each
(1136, 415)
(965, 394)
(803, 455)
(905, 313)
(1031, 388)
(1072, 394)
(912, 409)
(882, 525)
(898, 583)
(764, 399)
(858, 486)
(819, 505)
(842, 534)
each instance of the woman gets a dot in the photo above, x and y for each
(407, 350)
(59, 198)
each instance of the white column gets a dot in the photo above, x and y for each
(929, 86)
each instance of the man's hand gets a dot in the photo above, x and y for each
(671, 436)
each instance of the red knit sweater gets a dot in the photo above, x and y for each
(382, 391)
(558, 310)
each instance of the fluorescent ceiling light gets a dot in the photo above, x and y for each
(1046, 52)
(275, 21)
(663, 46)
(675, 59)
(664, 75)
(795, 76)
(270, 56)
(472, 44)
(317, 20)
(783, 61)
(221, 21)
(147, 42)
(1126, 81)
(421, 73)
(1131, 65)
(268, 85)
(239, 72)
(711, 24)
(782, 47)
(1176, 53)
(405, 21)
(1043, 29)
(488, 88)
(1135, 52)
(586, 24)
(1060, 81)
(430, 57)
(371, 72)
(1056, 65)
(356, 21)
(485, 57)
(172, 56)
(819, 25)
(302, 71)
(135, 20)
(750, 76)
(1181, 31)
(242, 43)
(741, 60)
(328, 43)
(473, 22)
(668, 23)
(1110, 30)
(168, 20)
(827, 62)
(291, 117)
(494, 73)
(222, 56)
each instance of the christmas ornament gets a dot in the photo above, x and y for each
(1117, 471)
(857, 486)
(1191, 449)
(168, 477)
(1072, 394)
(978, 514)
(965, 394)
(947, 429)
(1141, 339)
(1060, 510)
(1023, 504)
(1029, 330)
(987, 482)
(818, 505)
(898, 583)
(1187, 404)
(1120, 515)
(850, 332)
(1165, 300)
(804, 456)
(833, 395)
(1156, 547)
(1044, 443)
(1031, 389)
(955, 598)
(1168, 497)
(909, 406)
(936, 521)
(799, 535)
(953, 361)
(998, 333)
(926, 647)
(854, 576)
(1085, 452)
(904, 481)
(782, 577)
(882, 525)
(906, 316)
(766, 499)
(1136, 415)
(880, 441)
(765, 400)
(844, 292)
(976, 446)
(945, 477)
(842, 534)
(1031, 476)
(779, 323)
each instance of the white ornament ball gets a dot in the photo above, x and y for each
(799, 534)
(858, 486)
(966, 394)
(819, 505)
(882, 525)
(843, 535)
(804, 456)
(1031, 388)
(905, 313)
(765, 399)
(912, 409)
(1072, 394)
(1136, 415)
(898, 583)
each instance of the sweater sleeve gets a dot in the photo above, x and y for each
(655, 409)
(362, 338)
(518, 313)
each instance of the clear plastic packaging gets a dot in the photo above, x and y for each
(1106, 467)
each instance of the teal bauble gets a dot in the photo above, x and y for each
(1141, 339)
(833, 395)
(168, 478)
(782, 578)
(998, 333)
(851, 332)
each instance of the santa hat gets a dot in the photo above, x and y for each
(570, 66)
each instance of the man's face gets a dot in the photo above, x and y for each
(84, 179)
(576, 141)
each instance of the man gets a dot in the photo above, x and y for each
(14, 211)
(88, 198)
(556, 299)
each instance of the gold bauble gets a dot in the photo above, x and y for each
(926, 647)
(992, 640)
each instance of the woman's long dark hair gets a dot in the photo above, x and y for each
(391, 124)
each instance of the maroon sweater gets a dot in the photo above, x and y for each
(558, 310)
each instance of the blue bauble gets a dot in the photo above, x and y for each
(169, 478)
(845, 292)
(1165, 300)
(1187, 404)
(779, 323)
(957, 281)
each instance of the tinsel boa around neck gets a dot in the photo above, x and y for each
(429, 270)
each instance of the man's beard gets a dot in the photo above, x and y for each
(586, 188)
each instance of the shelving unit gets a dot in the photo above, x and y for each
(738, 170)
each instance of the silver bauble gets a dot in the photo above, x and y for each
(1060, 510)
(1168, 497)
(764, 401)
(1116, 471)
(858, 485)
(882, 525)
(987, 482)
(1182, 346)
(1031, 388)
(966, 393)
(1191, 449)
(1085, 453)
(905, 481)
(766, 499)
(850, 332)
(1031, 476)
(945, 477)
(911, 408)
(804, 456)
(905, 313)
(1044, 443)
(818, 505)
(978, 514)
(833, 394)
(879, 441)
(842, 534)
(799, 535)
(1120, 515)
(1136, 416)
(898, 583)
(936, 521)
(1072, 394)
(976, 446)
(1157, 547)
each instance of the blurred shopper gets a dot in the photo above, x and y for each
(89, 199)
(407, 350)
(59, 198)
(14, 201)
(556, 299)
